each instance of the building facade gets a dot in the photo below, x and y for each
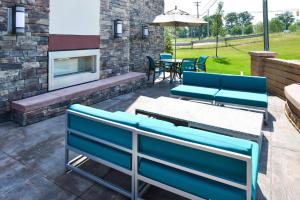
(70, 42)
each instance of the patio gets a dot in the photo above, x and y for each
(32, 157)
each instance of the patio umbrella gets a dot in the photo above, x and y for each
(175, 18)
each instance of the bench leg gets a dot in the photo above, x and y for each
(133, 188)
(136, 188)
(66, 159)
(266, 116)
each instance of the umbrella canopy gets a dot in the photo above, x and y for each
(177, 17)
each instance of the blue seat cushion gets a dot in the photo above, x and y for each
(100, 130)
(198, 186)
(195, 92)
(231, 169)
(202, 79)
(243, 98)
(141, 118)
(244, 83)
(101, 151)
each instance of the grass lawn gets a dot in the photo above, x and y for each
(235, 58)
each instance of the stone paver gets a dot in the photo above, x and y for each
(32, 158)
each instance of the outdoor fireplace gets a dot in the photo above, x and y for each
(68, 68)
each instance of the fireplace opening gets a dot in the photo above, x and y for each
(75, 65)
(68, 68)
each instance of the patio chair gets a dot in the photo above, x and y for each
(153, 67)
(188, 64)
(201, 63)
(167, 66)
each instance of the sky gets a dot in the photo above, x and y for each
(253, 6)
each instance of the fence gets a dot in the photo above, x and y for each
(212, 41)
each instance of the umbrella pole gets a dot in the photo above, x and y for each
(175, 64)
(175, 42)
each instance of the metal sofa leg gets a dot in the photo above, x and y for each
(136, 188)
(66, 159)
(133, 188)
(266, 116)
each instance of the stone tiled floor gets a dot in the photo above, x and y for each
(32, 157)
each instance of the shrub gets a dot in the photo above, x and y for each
(168, 43)
(295, 27)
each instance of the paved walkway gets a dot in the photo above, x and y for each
(32, 157)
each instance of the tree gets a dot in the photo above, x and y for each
(245, 19)
(209, 20)
(199, 31)
(287, 18)
(239, 23)
(168, 42)
(258, 28)
(231, 20)
(295, 27)
(182, 32)
(248, 29)
(217, 25)
(276, 25)
(236, 30)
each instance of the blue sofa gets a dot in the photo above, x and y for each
(244, 91)
(189, 162)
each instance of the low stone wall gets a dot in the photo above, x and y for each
(292, 107)
(280, 73)
(283, 77)
(292, 115)
(24, 116)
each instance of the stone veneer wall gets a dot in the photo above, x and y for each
(114, 52)
(154, 44)
(118, 56)
(280, 73)
(23, 59)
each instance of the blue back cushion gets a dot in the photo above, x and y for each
(201, 79)
(188, 65)
(244, 83)
(230, 169)
(99, 130)
(104, 152)
(165, 56)
(202, 60)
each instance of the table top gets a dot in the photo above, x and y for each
(171, 60)
(223, 120)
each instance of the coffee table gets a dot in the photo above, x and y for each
(227, 121)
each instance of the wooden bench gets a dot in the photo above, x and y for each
(51, 104)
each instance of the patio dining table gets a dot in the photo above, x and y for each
(174, 63)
